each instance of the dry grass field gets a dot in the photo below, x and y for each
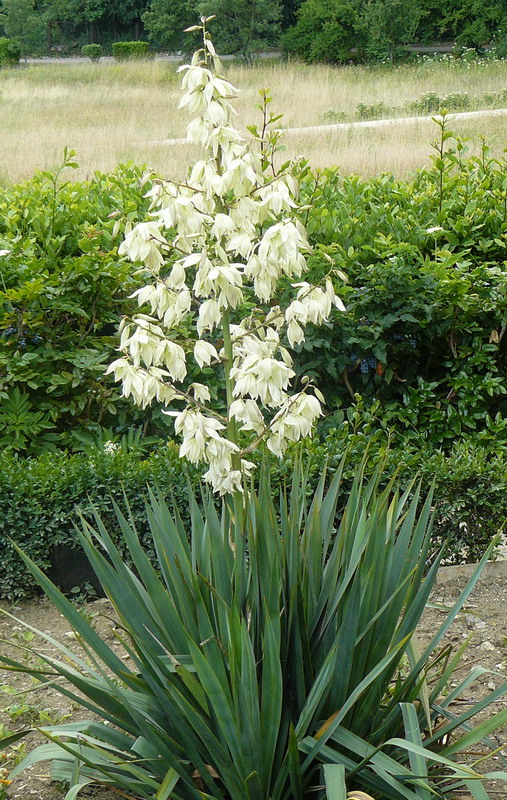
(111, 113)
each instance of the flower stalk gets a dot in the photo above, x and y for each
(232, 428)
(226, 237)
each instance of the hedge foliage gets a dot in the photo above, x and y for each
(424, 332)
(10, 52)
(92, 51)
(40, 498)
(129, 51)
(62, 293)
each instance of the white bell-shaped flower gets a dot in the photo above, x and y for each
(204, 353)
(294, 421)
(143, 244)
(209, 317)
(249, 413)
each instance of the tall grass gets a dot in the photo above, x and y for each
(110, 113)
(397, 148)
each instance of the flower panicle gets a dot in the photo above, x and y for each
(230, 232)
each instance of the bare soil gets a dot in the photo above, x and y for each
(484, 618)
(41, 706)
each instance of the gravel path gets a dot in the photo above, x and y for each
(370, 123)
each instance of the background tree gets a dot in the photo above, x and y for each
(333, 31)
(91, 13)
(165, 21)
(245, 25)
(101, 21)
(44, 25)
(130, 14)
(22, 22)
(389, 24)
(289, 12)
(471, 23)
(326, 30)
(474, 23)
(56, 15)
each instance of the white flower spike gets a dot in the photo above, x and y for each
(228, 234)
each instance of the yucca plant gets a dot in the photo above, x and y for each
(263, 644)
(268, 654)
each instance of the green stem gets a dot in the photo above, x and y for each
(232, 428)
(234, 503)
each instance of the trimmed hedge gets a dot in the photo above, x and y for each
(92, 51)
(40, 498)
(469, 478)
(129, 51)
